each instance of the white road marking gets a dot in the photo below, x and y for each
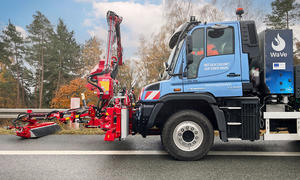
(252, 153)
(149, 152)
(62, 152)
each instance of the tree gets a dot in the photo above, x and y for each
(91, 54)
(14, 45)
(155, 51)
(7, 88)
(64, 61)
(284, 14)
(153, 54)
(72, 89)
(125, 76)
(55, 56)
(176, 12)
(4, 53)
(40, 33)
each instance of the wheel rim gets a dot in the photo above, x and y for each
(188, 136)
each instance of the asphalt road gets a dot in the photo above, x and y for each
(83, 166)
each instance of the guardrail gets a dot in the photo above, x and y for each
(13, 113)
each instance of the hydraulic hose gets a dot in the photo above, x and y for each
(79, 117)
(21, 115)
(90, 81)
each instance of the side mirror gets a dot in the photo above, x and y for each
(189, 44)
(189, 58)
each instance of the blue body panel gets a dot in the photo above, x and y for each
(213, 71)
(244, 68)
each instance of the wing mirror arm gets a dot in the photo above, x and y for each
(189, 44)
(189, 55)
(189, 50)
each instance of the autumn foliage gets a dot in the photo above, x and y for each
(73, 89)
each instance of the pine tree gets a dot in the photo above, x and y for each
(14, 43)
(7, 86)
(4, 53)
(64, 63)
(284, 14)
(40, 32)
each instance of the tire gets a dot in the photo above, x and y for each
(187, 135)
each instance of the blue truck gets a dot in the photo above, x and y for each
(226, 78)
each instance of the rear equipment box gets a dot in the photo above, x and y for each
(277, 56)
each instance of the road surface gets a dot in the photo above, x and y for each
(89, 157)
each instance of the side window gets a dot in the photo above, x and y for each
(198, 52)
(220, 41)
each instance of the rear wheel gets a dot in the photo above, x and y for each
(187, 135)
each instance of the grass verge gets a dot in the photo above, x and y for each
(85, 131)
(4, 131)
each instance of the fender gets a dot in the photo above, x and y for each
(189, 96)
(219, 114)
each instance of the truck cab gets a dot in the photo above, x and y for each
(211, 84)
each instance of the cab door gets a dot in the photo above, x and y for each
(216, 61)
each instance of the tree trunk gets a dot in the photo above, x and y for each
(59, 74)
(17, 79)
(42, 80)
(23, 91)
(38, 86)
(18, 88)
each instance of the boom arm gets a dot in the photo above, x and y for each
(114, 37)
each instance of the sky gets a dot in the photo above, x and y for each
(87, 17)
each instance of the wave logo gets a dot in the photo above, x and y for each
(280, 43)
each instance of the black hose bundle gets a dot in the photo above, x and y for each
(19, 118)
(92, 81)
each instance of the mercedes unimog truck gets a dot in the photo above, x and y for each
(222, 77)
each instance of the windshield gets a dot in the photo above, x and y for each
(171, 56)
(171, 63)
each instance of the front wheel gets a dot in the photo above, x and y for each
(188, 135)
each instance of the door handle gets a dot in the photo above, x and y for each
(233, 75)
